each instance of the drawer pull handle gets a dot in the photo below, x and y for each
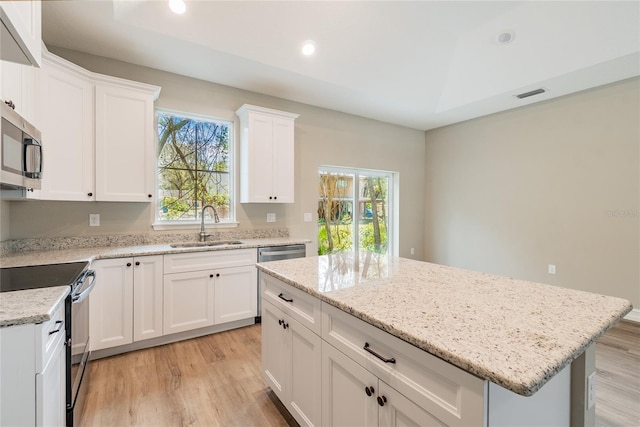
(59, 323)
(282, 297)
(384, 359)
(382, 400)
(369, 391)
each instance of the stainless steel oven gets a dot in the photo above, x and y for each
(82, 280)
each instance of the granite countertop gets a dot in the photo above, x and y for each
(31, 305)
(36, 305)
(515, 333)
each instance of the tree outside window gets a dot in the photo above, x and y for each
(193, 167)
(353, 210)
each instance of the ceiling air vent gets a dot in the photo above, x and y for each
(528, 94)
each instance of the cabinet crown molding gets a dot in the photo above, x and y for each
(247, 108)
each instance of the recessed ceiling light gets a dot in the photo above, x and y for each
(177, 6)
(308, 48)
(506, 37)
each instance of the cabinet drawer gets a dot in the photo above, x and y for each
(301, 306)
(454, 396)
(207, 260)
(47, 335)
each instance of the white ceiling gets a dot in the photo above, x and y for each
(421, 64)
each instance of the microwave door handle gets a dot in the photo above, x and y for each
(37, 157)
(78, 298)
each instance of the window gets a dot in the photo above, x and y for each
(354, 211)
(194, 168)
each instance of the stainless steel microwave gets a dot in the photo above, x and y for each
(20, 151)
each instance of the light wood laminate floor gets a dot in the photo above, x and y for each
(216, 381)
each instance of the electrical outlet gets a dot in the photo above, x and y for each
(552, 269)
(591, 390)
(307, 217)
(271, 217)
(94, 220)
(413, 251)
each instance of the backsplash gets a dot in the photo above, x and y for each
(59, 243)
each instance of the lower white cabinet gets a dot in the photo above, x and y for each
(209, 288)
(291, 363)
(188, 301)
(353, 396)
(33, 372)
(126, 304)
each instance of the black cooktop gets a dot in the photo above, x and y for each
(40, 276)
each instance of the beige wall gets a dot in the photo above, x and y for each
(322, 137)
(552, 183)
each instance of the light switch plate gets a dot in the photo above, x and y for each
(307, 217)
(271, 217)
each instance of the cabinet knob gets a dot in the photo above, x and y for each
(10, 104)
(128, 264)
(211, 275)
(150, 196)
(382, 400)
(90, 194)
(369, 391)
(217, 274)
(285, 325)
(275, 197)
(270, 198)
(137, 262)
(280, 322)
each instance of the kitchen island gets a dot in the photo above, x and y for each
(516, 338)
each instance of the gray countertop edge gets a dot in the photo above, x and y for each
(31, 305)
(481, 371)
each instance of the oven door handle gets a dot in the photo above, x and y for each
(78, 298)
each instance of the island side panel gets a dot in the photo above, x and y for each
(581, 368)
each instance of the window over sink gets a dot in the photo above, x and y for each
(194, 169)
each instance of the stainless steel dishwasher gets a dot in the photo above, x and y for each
(277, 253)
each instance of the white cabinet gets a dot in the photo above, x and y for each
(33, 372)
(21, 31)
(98, 134)
(266, 155)
(66, 97)
(19, 87)
(126, 303)
(188, 301)
(291, 361)
(208, 288)
(125, 155)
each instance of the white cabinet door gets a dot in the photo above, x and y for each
(147, 297)
(236, 294)
(51, 409)
(188, 301)
(291, 364)
(19, 87)
(305, 385)
(283, 160)
(124, 144)
(276, 351)
(111, 304)
(396, 410)
(266, 155)
(66, 100)
(23, 21)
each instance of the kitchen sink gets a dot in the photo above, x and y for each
(205, 244)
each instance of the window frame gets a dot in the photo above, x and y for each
(157, 223)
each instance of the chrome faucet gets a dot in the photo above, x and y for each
(216, 218)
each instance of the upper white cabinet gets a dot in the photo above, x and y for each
(97, 134)
(66, 97)
(124, 141)
(19, 88)
(21, 31)
(266, 155)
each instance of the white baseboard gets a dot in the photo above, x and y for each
(634, 315)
